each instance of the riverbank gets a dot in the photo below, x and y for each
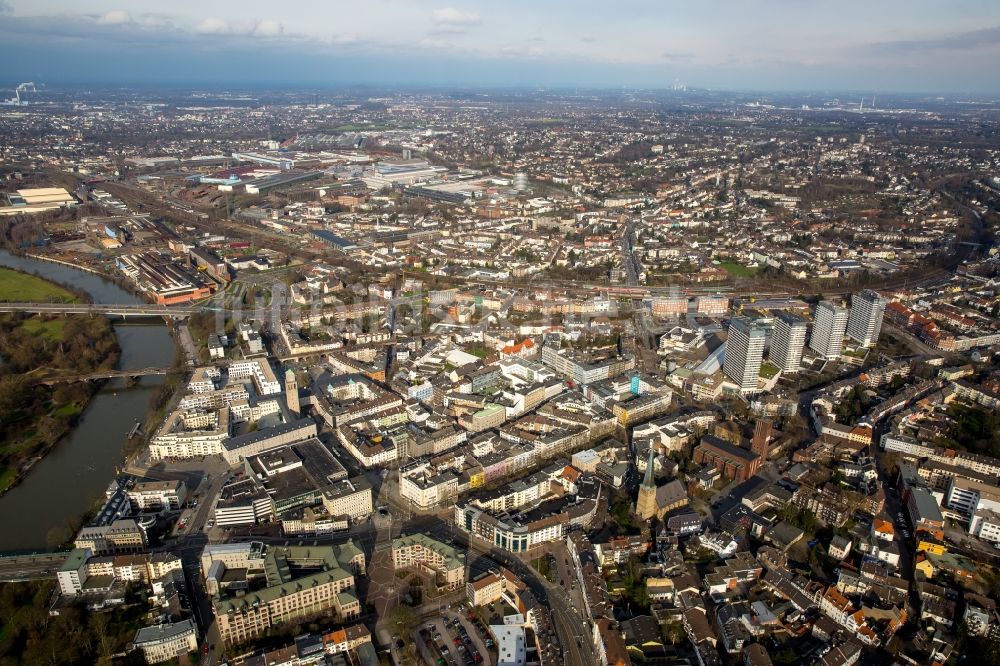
(44, 509)
(43, 257)
(34, 417)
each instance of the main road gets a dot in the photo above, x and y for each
(570, 625)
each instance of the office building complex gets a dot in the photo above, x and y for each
(788, 341)
(297, 582)
(744, 353)
(865, 322)
(828, 330)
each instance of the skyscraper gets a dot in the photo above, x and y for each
(744, 352)
(788, 341)
(867, 308)
(828, 330)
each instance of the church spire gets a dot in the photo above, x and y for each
(645, 503)
(649, 480)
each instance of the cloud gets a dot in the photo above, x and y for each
(268, 28)
(433, 44)
(961, 41)
(453, 21)
(589, 39)
(530, 52)
(678, 57)
(343, 38)
(215, 26)
(115, 17)
(155, 21)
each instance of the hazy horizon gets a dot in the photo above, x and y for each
(754, 46)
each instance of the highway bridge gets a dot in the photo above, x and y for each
(121, 310)
(37, 566)
(95, 376)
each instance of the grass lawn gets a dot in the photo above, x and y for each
(477, 349)
(768, 370)
(24, 288)
(737, 270)
(51, 330)
(71, 409)
(543, 566)
(6, 476)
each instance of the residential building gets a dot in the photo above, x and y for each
(865, 322)
(788, 341)
(744, 353)
(157, 495)
(119, 537)
(419, 551)
(73, 572)
(163, 642)
(827, 338)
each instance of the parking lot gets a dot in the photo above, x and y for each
(453, 640)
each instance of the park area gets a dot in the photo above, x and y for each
(17, 287)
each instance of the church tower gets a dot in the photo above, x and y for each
(292, 393)
(645, 504)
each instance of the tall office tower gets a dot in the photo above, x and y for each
(867, 308)
(828, 330)
(744, 352)
(788, 341)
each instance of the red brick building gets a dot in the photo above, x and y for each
(733, 462)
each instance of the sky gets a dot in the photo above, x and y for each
(818, 45)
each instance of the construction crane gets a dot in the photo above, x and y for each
(21, 87)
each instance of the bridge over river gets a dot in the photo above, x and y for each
(121, 310)
(36, 566)
(107, 374)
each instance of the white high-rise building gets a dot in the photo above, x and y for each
(828, 330)
(788, 341)
(865, 322)
(744, 352)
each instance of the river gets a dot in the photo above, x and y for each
(37, 513)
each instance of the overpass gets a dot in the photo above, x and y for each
(109, 374)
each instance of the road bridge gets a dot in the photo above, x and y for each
(36, 566)
(96, 376)
(121, 310)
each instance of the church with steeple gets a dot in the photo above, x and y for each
(656, 502)
(645, 504)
